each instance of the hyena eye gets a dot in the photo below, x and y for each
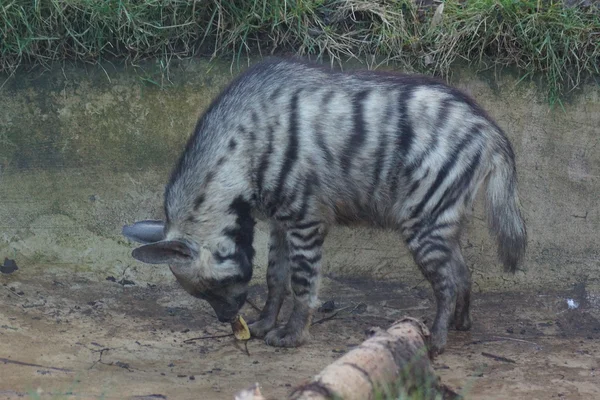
(224, 251)
(220, 257)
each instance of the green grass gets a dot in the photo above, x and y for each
(542, 38)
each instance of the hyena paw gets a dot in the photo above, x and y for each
(437, 344)
(285, 337)
(462, 321)
(261, 327)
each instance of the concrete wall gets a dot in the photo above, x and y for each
(84, 151)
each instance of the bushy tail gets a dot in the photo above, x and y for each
(505, 221)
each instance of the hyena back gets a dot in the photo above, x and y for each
(308, 148)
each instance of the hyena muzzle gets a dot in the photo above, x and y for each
(306, 148)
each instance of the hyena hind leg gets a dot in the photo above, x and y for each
(436, 251)
(462, 277)
(278, 271)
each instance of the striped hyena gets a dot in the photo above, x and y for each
(307, 147)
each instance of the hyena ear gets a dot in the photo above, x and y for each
(148, 231)
(164, 252)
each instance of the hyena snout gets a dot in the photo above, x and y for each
(227, 308)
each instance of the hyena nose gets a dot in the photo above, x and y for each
(224, 318)
(225, 314)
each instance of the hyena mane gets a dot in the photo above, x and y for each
(306, 148)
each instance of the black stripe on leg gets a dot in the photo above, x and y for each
(306, 237)
(306, 225)
(305, 267)
(308, 246)
(301, 257)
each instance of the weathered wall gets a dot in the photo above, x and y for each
(82, 154)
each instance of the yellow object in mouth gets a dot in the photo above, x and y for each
(240, 328)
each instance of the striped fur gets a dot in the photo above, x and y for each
(308, 148)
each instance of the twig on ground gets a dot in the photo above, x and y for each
(500, 339)
(16, 362)
(207, 337)
(497, 358)
(324, 319)
(251, 303)
(418, 284)
(515, 340)
(332, 316)
(15, 292)
(408, 309)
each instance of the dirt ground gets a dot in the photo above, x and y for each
(117, 340)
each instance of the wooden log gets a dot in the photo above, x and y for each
(390, 362)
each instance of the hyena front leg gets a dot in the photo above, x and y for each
(278, 271)
(436, 251)
(305, 241)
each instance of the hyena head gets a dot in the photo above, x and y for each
(207, 240)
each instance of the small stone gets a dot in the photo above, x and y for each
(9, 266)
(111, 278)
(361, 308)
(510, 330)
(192, 377)
(122, 365)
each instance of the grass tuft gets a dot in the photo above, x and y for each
(542, 38)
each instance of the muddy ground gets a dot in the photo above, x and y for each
(118, 340)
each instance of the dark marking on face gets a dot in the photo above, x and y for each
(232, 144)
(209, 177)
(198, 202)
(254, 117)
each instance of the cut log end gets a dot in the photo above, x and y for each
(252, 393)
(392, 361)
